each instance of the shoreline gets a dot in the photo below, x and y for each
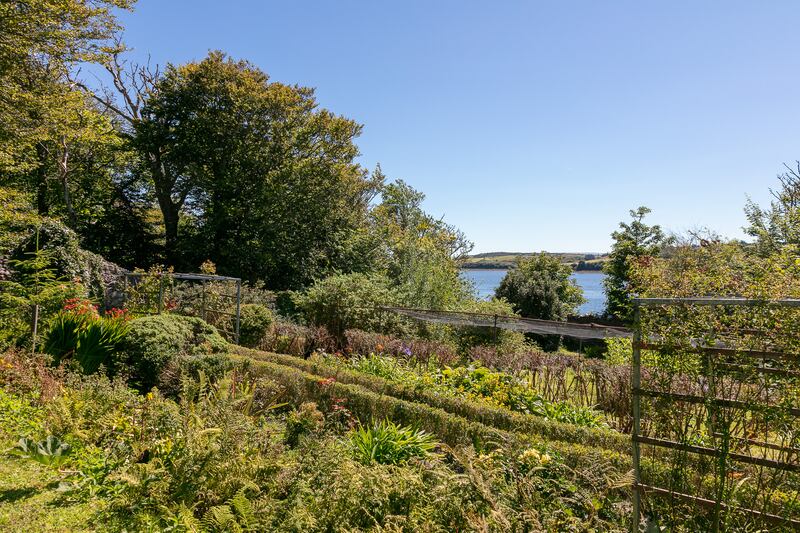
(491, 269)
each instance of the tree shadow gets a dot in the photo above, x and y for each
(13, 495)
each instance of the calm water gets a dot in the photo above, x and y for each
(486, 281)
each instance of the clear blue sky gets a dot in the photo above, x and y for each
(533, 125)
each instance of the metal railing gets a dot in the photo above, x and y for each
(192, 300)
(513, 323)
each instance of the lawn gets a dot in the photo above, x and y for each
(31, 501)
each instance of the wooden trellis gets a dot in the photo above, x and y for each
(731, 424)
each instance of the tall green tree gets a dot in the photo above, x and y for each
(259, 179)
(541, 287)
(778, 225)
(633, 240)
(42, 113)
(57, 143)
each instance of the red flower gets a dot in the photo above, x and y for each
(117, 314)
(80, 307)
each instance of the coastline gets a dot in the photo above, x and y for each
(488, 268)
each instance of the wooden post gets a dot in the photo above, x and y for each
(160, 293)
(238, 306)
(636, 379)
(35, 328)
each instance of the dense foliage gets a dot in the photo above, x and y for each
(155, 344)
(217, 459)
(477, 382)
(254, 324)
(242, 153)
(80, 334)
(350, 300)
(778, 225)
(633, 240)
(540, 287)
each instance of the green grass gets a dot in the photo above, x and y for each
(30, 500)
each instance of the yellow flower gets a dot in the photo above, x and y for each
(531, 455)
(545, 458)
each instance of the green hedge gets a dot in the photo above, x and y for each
(367, 404)
(254, 323)
(154, 342)
(491, 416)
(454, 430)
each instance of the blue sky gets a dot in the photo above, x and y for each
(532, 125)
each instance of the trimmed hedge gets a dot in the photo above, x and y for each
(455, 430)
(254, 323)
(155, 342)
(366, 405)
(490, 416)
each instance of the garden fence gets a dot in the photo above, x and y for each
(513, 323)
(716, 392)
(215, 299)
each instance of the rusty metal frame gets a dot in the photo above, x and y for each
(203, 278)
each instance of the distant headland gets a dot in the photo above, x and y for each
(505, 260)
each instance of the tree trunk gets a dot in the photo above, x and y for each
(170, 210)
(42, 202)
(170, 213)
(63, 171)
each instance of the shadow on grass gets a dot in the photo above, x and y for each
(13, 495)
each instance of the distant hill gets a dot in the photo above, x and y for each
(505, 260)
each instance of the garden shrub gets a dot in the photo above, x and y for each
(19, 417)
(25, 374)
(257, 293)
(482, 412)
(511, 392)
(305, 420)
(347, 301)
(29, 283)
(15, 316)
(456, 421)
(294, 339)
(254, 323)
(504, 341)
(154, 341)
(173, 376)
(419, 350)
(68, 259)
(53, 296)
(80, 334)
(286, 304)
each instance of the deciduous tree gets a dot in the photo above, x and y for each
(266, 181)
(541, 287)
